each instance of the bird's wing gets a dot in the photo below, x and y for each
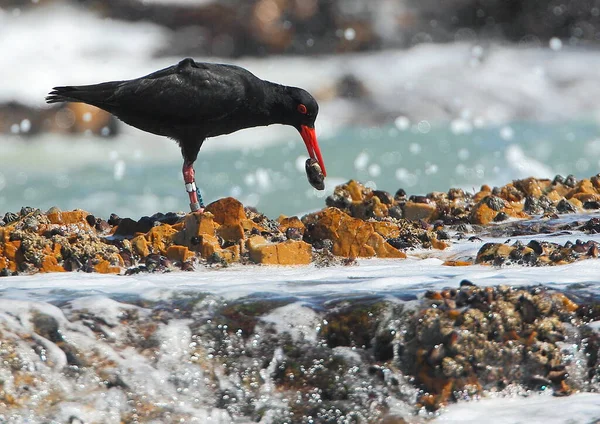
(184, 92)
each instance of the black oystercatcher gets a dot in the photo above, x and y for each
(191, 101)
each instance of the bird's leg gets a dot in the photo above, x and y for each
(196, 203)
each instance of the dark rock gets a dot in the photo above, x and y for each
(495, 203)
(26, 210)
(564, 206)
(501, 216)
(570, 181)
(591, 205)
(395, 212)
(532, 206)
(400, 195)
(385, 197)
(91, 220)
(114, 219)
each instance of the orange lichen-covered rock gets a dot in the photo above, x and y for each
(484, 191)
(583, 186)
(554, 196)
(438, 244)
(50, 264)
(486, 210)
(208, 245)
(415, 211)
(140, 246)
(530, 186)
(3, 261)
(382, 248)
(104, 267)
(291, 222)
(12, 254)
(231, 232)
(227, 211)
(351, 237)
(160, 238)
(457, 263)
(179, 253)
(195, 225)
(356, 190)
(77, 216)
(565, 302)
(210, 249)
(289, 252)
(386, 229)
(378, 208)
(230, 214)
(482, 214)
(585, 197)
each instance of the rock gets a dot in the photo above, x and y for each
(416, 211)
(230, 214)
(351, 237)
(140, 246)
(160, 238)
(179, 253)
(289, 252)
(293, 222)
(129, 227)
(195, 224)
(50, 264)
(104, 267)
(227, 211)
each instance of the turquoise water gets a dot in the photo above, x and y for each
(106, 176)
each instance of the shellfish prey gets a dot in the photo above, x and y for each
(192, 101)
(315, 174)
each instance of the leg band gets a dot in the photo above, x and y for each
(190, 187)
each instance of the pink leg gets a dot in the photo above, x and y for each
(196, 204)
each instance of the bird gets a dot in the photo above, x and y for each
(192, 101)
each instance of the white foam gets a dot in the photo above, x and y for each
(534, 409)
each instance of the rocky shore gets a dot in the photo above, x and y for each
(195, 355)
(358, 222)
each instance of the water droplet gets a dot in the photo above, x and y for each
(555, 43)
(507, 133)
(374, 170)
(414, 148)
(350, 34)
(25, 125)
(402, 123)
(361, 161)
(424, 127)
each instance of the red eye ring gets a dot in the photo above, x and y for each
(302, 109)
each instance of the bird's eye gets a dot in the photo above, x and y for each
(302, 109)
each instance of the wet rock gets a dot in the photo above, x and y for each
(502, 332)
(564, 206)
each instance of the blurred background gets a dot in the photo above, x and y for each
(422, 95)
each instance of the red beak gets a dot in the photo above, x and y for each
(310, 139)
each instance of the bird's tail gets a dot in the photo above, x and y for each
(96, 95)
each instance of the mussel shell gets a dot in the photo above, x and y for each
(314, 174)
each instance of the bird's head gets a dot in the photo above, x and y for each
(301, 111)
